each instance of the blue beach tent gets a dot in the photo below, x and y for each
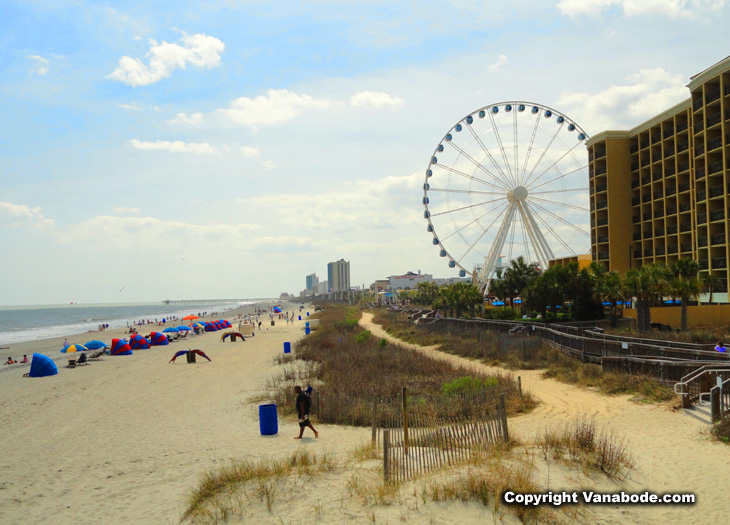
(42, 366)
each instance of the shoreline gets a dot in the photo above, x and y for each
(52, 346)
(122, 440)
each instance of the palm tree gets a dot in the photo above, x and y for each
(425, 293)
(518, 276)
(710, 281)
(685, 285)
(608, 287)
(646, 284)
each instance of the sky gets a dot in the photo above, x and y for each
(226, 149)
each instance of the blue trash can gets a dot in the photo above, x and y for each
(300, 317)
(306, 330)
(306, 324)
(307, 314)
(287, 347)
(268, 419)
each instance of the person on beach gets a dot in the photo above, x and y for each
(304, 405)
(25, 358)
(720, 347)
(65, 343)
(11, 362)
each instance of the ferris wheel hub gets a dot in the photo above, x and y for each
(518, 194)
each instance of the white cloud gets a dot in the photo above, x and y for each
(378, 204)
(42, 67)
(199, 50)
(248, 151)
(176, 147)
(375, 100)
(132, 106)
(647, 93)
(268, 165)
(123, 233)
(670, 8)
(279, 105)
(497, 64)
(194, 119)
(126, 211)
(19, 213)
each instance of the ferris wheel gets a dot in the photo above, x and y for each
(508, 180)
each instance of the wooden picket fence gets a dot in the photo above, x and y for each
(415, 442)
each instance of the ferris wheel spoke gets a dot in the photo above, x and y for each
(561, 204)
(558, 191)
(478, 164)
(501, 148)
(559, 218)
(576, 170)
(542, 155)
(503, 177)
(554, 163)
(529, 147)
(458, 231)
(555, 235)
(472, 192)
(478, 239)
(471, 206)
(470, 177)
(515, 139)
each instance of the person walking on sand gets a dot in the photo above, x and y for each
(304, 404)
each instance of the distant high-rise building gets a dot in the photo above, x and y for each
(312, 281)
(338, 276)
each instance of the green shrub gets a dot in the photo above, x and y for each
(383, 343)
(505, 314)
(363, 337)
(468, 384)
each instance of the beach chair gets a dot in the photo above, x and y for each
(96, 356)
(82, 360)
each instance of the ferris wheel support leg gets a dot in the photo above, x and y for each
(485, 275)
(542, 248)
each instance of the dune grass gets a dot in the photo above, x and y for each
(212, 501)
(582, 444)
(529, 354)
(348, 367)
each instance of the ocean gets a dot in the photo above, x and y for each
(31, 323)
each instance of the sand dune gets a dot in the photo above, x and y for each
(123, 440)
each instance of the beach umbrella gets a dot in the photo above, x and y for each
(190, 317)
(95, 345)
(183, 328)
(199, 324)
(70, 349)
(171, 329)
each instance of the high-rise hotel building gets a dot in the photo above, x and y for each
(338, 276)
(659, 191)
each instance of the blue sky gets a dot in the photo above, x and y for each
(208, 149)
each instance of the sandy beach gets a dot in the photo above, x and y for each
(123, 440)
